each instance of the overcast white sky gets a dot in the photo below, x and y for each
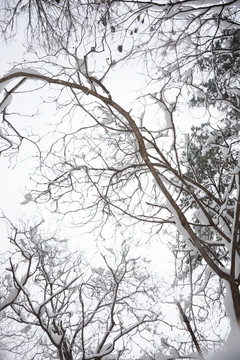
(124, 86)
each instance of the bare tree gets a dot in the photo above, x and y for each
(171, 37)
(111, 165)
(18, 273)
(75, 309)
(106, 183)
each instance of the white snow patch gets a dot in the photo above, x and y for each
(2, 85)
(201, 217)
(25, 70)
(236, 170)
(28, 197)
(81, 66)
(11, 297)
(182, 231)
(13, 294)
(234, 328)
(167, 116)
(5, 137)
(56, 337)
(6, 102)
(98, 270)
(235, 91)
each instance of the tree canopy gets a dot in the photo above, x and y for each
(113, 86)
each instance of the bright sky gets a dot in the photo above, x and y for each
(14, 180)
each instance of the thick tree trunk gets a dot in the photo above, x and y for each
(235, 299)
